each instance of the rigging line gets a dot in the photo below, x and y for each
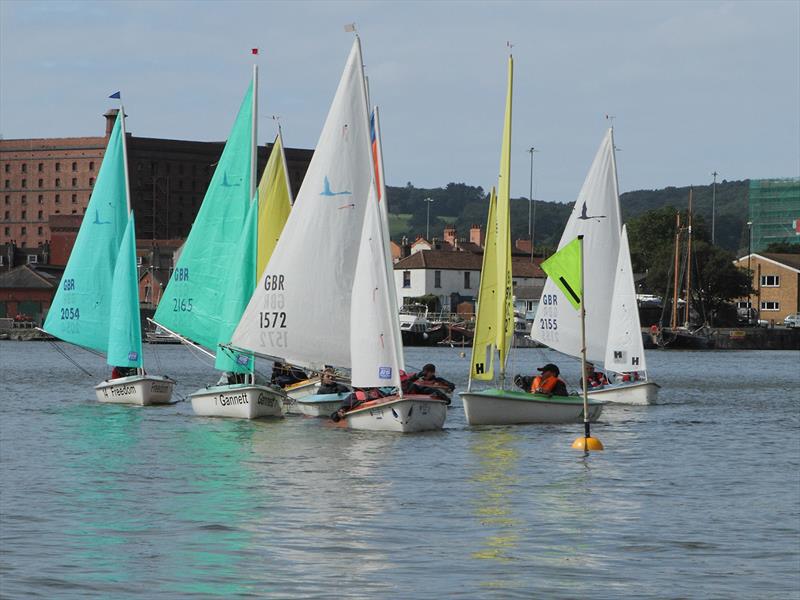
(66, 355)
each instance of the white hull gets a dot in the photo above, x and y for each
(238, 401)
(298, 391)
(636, 392)
(142, 390)
(317, 405)
(503, 407)
(408, 414)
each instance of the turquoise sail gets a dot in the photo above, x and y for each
(238, 289)
(81, 309)
(125, 328)
(192, 302)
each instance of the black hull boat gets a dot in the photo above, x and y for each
(429, 336)
(684, 339)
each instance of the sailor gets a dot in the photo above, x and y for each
(330, 385)
(596, 379)
(426, 382)
(549, 383)
(119, 372)
(285, 375)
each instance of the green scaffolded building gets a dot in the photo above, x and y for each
(774, 212)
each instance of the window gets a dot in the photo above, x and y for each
(40, 199)
(24, 183)
(74, 211)
(24, 168)
(74, 181)
(58, 182)
(58, 166)
(24, 199)
(8, 199)
(466, 280)
(406, 279)
(40, 168)
(41, 183)
(7, 215)
(24, 214)
(8, 167)
(770, 281)
(32, 259)
(8, 231)
(39, 215)
(39, 230)
(8, 183)
(91, 181)
(58, 198)
(743, 304)
(24, 231)
(770, 305)
(138, 261)
(74, 166)
(437, 279)
(91, 165)
(74, 198)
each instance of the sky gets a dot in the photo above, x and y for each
(694, 87)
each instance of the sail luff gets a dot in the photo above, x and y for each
(505, 309)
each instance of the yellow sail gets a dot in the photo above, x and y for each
(485, 338)
(505, 300)
(274, 204)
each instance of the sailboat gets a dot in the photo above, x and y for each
(97, 302)
(494, 327)
(325, 296)
(216, 274)
(609, 286)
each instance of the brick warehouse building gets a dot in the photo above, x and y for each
(41, 180)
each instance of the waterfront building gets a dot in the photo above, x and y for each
(42, 181)
(776, 285)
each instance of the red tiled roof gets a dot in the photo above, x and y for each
(464, 261)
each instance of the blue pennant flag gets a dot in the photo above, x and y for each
(116, 95)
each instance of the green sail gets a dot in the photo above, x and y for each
(238, 289)
(125, 328)
(192, 302)
(81, 309)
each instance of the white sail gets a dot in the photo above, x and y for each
(300, 310)
(375, 331)
(596, 217)
(624, 350)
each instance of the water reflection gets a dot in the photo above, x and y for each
(497, 459)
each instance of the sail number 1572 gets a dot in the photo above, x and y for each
(272, 319)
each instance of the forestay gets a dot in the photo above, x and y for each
(192, 302)
(81, 309)
(125, 327)
(596, 217)
(301, 308)
(625, 349)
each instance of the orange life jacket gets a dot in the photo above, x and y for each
(542, 386)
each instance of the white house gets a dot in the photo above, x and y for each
(452, 276)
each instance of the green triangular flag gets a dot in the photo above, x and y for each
(564, 268)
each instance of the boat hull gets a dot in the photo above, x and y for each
(409, 414)
(318, 405)
(238, 401)
(298, 391)
(506, 407)
(429, 337)
(141, 390)
(636, 392)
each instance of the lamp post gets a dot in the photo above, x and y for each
(749, 254)
(713, 208)
(531, 204)
(428, 219)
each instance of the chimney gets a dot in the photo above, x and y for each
(111, 117)
(450, 235)
(476, 235)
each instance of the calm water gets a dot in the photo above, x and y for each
(698, 497)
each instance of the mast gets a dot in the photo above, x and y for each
(688, 264)
(674, 320)
(254, 135)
